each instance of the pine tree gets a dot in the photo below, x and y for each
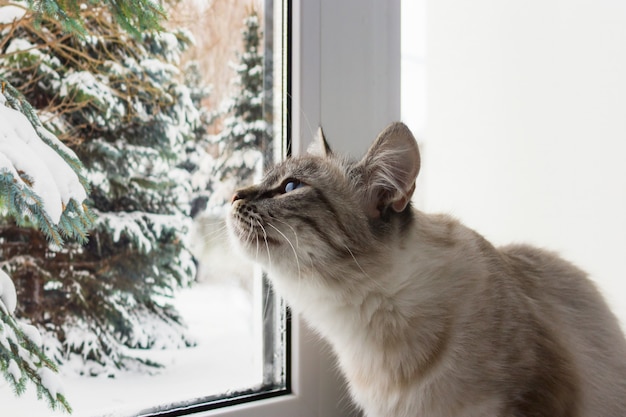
(135, 17)
(116, 100)
(195, 152)
(245, 141)
(41, 186)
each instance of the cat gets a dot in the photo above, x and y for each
(426, 317)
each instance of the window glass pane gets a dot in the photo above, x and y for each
(156, 311)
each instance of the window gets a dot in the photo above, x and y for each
(230, 343)
(344, 74)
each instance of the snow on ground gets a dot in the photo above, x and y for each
(220, 317)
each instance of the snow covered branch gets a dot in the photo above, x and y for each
(40, 181)
(41, 186)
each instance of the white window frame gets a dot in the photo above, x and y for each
(345, 76)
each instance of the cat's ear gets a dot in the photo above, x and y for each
(319, 146)
(390, 168)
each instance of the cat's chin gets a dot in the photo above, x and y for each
(249, 244)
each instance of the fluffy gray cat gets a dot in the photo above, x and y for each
(426, 317)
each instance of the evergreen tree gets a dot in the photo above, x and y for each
(41, 186)
(245, 141)
(134, 16)
(116, 100)
(195, 152)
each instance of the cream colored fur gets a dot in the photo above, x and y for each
(426, 317)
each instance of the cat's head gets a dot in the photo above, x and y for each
(319, 209)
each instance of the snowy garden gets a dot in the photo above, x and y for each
(115, 174)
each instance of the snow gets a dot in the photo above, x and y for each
(169, 43)
(51, 381)
(139, 226)
(220, 317)
(133, 225)
(31, 333)
(20, 44)
(53, 180)
(10, 13)
(86, 83)
(6, 333)
(14, 370)
(52, 285)
(47, 63)
(157, 68)
(8, 298)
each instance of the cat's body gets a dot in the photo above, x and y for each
(426, 317)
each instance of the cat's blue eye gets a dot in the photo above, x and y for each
(292, 185)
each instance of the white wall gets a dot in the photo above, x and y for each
(525, 134)
(413, 65)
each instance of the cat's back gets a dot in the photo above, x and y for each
(567, 302)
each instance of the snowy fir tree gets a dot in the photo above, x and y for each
(245, 141)
(41, 187)
(135, 16)
(117, 101)
(195, 150)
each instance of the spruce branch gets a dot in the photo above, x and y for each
(128, 138)
(21, 357)
(22, 360)
(134, 16)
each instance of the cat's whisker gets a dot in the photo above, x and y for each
(215, 234)
(356, 262)
(372, 280)
(252, 233)
(267, 246)
(216, 222)
(292, 229)
(217, 226)
(256, 238)
(295, 254)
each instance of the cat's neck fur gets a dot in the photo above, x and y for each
(404, 301)
(425, 307)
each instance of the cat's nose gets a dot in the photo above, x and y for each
(243, 194)
(235, 197)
